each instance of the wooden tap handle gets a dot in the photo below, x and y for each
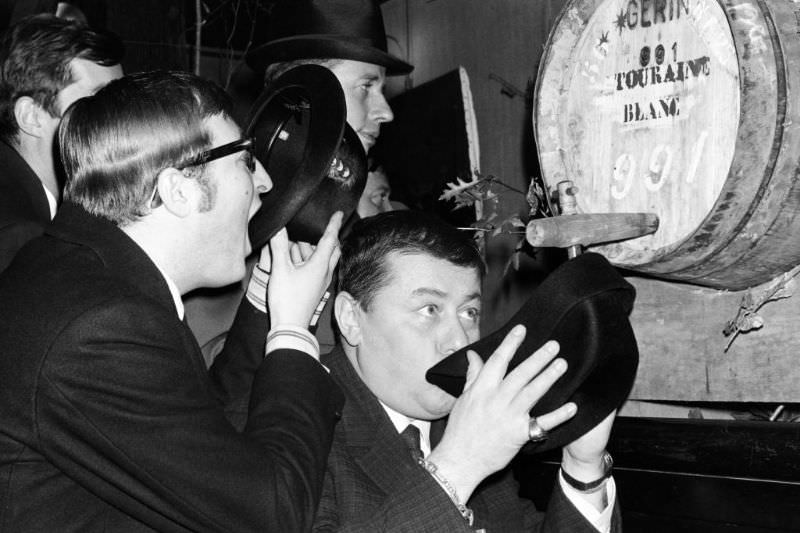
(586, 229)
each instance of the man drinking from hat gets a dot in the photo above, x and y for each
(108, 420)
(408, 296)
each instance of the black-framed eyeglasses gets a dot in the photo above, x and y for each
(248, 144)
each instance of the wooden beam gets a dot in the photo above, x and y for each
(682, 348)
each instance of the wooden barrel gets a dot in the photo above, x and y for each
(688, 109)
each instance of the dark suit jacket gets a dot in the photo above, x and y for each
(108, 421)
(24, 211)
(372, 483)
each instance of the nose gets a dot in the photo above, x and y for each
(381, 112)
(385, 205)
(261, 183)
(454, 336)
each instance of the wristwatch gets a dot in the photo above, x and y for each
(591, 486)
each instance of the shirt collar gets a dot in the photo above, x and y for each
(51, 201)
(401, 421)
(174, 292)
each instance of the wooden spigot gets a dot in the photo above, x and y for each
(573, 230)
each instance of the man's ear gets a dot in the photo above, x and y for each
(30, 116)
(346, 310)
(180, 195)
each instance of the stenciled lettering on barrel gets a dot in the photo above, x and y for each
(638, 105)
(659, 64)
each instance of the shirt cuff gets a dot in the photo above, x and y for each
(320, 307)
(257, 288)
(257, 294)
(294, 338)
(600, 520)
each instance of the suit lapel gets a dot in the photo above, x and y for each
(371, 438)
(124, 259)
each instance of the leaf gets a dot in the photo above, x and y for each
(455, 190)
(750, 322)
(491, 191)
(533, 197)
(463, 202)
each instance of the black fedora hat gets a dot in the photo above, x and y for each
(320, 29)
(315, 160)
(584, 304)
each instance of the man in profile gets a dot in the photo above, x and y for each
(46, 63)
(347, 37)
(108, 421)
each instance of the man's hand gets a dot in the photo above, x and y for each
(489, 422)
(583, 458)
(300, 274)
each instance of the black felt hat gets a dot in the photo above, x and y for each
(320, 29)
(315, 160)
(584, 304)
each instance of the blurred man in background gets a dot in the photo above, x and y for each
(46, 63)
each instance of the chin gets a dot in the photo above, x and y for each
(440, 405)
(233, 274)
(238, 271)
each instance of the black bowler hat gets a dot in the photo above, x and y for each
(315, 160)
(321, 29)
(584, 304)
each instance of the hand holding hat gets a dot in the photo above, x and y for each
(584, 305)
(584, 458)
(489, 422)
(287, 305)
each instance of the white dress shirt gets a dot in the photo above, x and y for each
(51, 201)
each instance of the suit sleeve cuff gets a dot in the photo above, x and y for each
(292, 337)
(600, 520)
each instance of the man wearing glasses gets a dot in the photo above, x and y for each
(108, 421)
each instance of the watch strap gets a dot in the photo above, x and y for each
(591, 486)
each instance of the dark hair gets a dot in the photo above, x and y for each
(363, 269)
(34, 61)
(114, 143)
(274, 70)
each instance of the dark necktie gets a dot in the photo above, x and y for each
(411, 437)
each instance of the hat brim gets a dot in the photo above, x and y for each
(298, 123)
(584, 305)
(321, 47)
